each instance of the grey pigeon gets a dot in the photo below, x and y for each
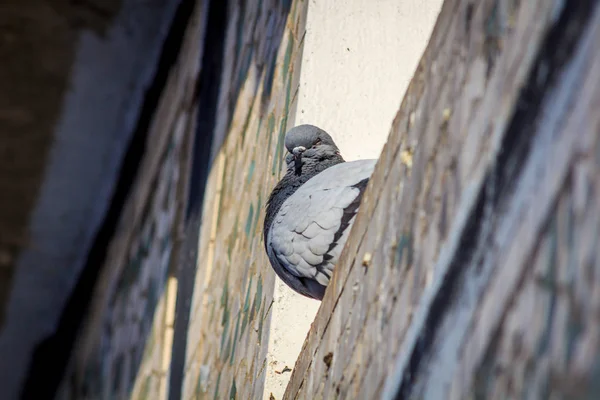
(311, 210)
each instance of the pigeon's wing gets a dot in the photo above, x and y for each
(311, 227)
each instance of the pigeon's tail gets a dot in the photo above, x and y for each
(315, 289)
(304, 286)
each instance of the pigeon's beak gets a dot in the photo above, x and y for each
(297, 152)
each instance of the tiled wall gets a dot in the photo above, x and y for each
(549, 342)
(231, 310)
(124, 348)
(133, 340)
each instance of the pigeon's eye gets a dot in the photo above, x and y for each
(318, 142)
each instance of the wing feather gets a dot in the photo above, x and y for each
(312, 225)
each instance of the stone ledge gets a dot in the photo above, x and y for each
(446, 136)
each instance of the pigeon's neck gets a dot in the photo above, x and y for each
(310, 168)
(291, 182)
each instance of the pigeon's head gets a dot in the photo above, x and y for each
(309, 142)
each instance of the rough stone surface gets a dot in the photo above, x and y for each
(444, 139)
(534, 331)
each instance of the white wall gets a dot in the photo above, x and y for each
(359, 57)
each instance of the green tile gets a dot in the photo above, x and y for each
(235, 337)
(247, 122)
(282, 130)
(198, 389)
(212, 311)
(227, 351)
(549, 276)
(224, 335)
(257, 304)
(225, 293)
(277, 160)
(270, 127)
(232, 238)
(233, 391)
(404, 244)
(288, 57)
(226, 314)
(260, 326)
(258, 295)
(216, 397)
(257, 215)
(249, 219)
(220, 207)
(250, 172)
(246, 309)
(258, 129)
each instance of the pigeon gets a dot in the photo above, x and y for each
(311, 210)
